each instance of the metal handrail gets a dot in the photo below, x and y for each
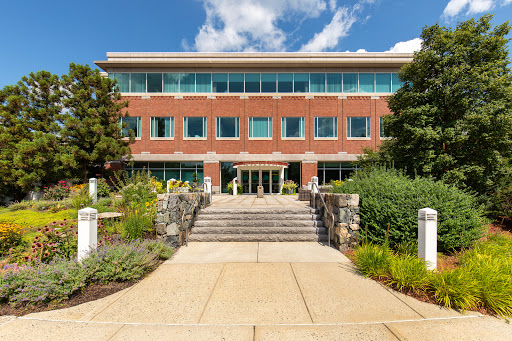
(325, 206)
(187, 211)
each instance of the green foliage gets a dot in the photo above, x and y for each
(453, 115)
(37, 219)
(238, 186)
(408, 273)
(54, 241)
(103, 188)
(11, 236)
(388, 196)
(373, 260)
(454, 289)
(80, 198)
(136, 189)
(57, 192)
(22, 205)
(136, 224)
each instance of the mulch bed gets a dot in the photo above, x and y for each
(92, 292)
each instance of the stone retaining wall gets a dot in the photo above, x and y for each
(345, 207)
(170, 209)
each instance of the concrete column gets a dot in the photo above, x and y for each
(93, 190)
(427, 237)
(281, 180)
(87, 231)
(235, 187)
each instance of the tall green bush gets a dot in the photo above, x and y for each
(388, 196)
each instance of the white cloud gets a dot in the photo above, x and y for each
(407, 46)
(250, 25)
(455, 7)
(332, 33)
(332, 5)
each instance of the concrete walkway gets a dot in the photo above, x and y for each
(251, 201)
(255, 291)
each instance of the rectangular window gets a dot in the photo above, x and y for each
(123, 81)
(162, 126)
(350, 82)
(334, 82)
(194, 127)
(381, 128)
(171, 82)
(203, 82)
(236, 82)
(268, 82)
(228, 127)
(132, 124)
(383, 82)
(220, 82)
(187, 82)
(292, 127)
(252, 82)
(358, 126)
(154, 82)
(395, 82)
(317, 82)
(285, 82)
(301, 82)
(138, 82)
(366, 82)
(326, 127)
(260, 127)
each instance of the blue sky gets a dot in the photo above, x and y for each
(49, 35)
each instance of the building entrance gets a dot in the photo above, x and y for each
(267, 174)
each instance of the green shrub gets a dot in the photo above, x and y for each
(373, 260)
(408, 273)
(22, 205)
(57, 192)
(387, 196)
(135, 189)
(454, 289)
(163, 250)
(80, 198)
(135, 224)
(409, 248)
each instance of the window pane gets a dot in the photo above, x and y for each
(366, 82)
(350, 82)
(203, 82)
(187, 82)
(220, 82)
(396, 82)
(227, 127)
(285, 82)
(358, 126)
(334, 82)
(383, 81)
(172, 174)
(381, 128)
(236, 82)
(260, 127)
(301, 82)
(194, 127)
(326, 127)
(292, 126)
(171, 82)
(158, 174)
(131, 123)
(138, 82)
(187, 175)
(172, 165)
(154, 82)
(268, 82)
(123, 81)
(162, 126)
(317, 81)
(189, 165)
(252, 82)
(331, 174)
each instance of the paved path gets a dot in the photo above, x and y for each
(255, 291)
(251, 201)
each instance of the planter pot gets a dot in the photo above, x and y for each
(289, 191)
(180, 190)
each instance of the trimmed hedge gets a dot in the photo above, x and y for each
(388, 196)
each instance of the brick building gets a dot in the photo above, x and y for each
(263, 117)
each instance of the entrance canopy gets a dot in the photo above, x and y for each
(260, 164)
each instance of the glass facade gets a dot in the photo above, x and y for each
(358, 127)
(292, 127)
(183, 171)
(382, 133)
(363, 82)
(328, 171)
(194, 127)
(326, 127)
(162, 126)
(228, 127)
(260, 127)
(130, 124)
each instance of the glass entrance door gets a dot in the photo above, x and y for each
(245, 181)
(265, 177)
(275, 182)
(255, 180)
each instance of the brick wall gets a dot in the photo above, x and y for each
(308, 170)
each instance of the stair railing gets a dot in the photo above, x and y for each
(207, 202)
(313, 185)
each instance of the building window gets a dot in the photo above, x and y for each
(358, 126)
(292, 127)
(194, 127)
(123, 81)
(326, 127)
(154, 82)
(366, 82)
(183, 171)
(383, 82)
(317, 82)
(171, 82)
(260, 127)
(162, 126)
(350, 81)
(328, 171)
(130, 124)
(334, 82)
(220, 82)
(228, 127)
(285, 82)
(395, 82)
(236, 82)
(138, 82)
(301, 82)
(268, 82)
(203, 82)
(187, 82)
(252, 82)
(381, 128)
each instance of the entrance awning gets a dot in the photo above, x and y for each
(260, 164)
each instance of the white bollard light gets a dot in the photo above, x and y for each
(93, 190)
(314, 180)
(208, 183)
(87, 231)
(235, 187)
(309, 186)
(427, 237)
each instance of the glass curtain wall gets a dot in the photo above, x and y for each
(183, 171)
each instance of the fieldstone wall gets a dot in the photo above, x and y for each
(170, 209)
(345, 207)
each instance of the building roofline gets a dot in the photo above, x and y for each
(253, 59)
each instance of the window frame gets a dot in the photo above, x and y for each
(185, 128)
(218, 120)
(138, 133)
(302, 128)
(368, 128)
(334, 124)
(171, 129)
(269, 128)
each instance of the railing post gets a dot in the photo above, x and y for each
(427, 237)
(93, 190)
(235, 187)
(87, 231)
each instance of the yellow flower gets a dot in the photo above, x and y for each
(147, 204)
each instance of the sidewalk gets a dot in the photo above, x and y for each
(255, 291)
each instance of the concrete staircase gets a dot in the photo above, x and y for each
(258, 225)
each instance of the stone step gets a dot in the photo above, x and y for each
(299, 210)
(310, 237)
(253, 230)
(259, 222)
(248, 217)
